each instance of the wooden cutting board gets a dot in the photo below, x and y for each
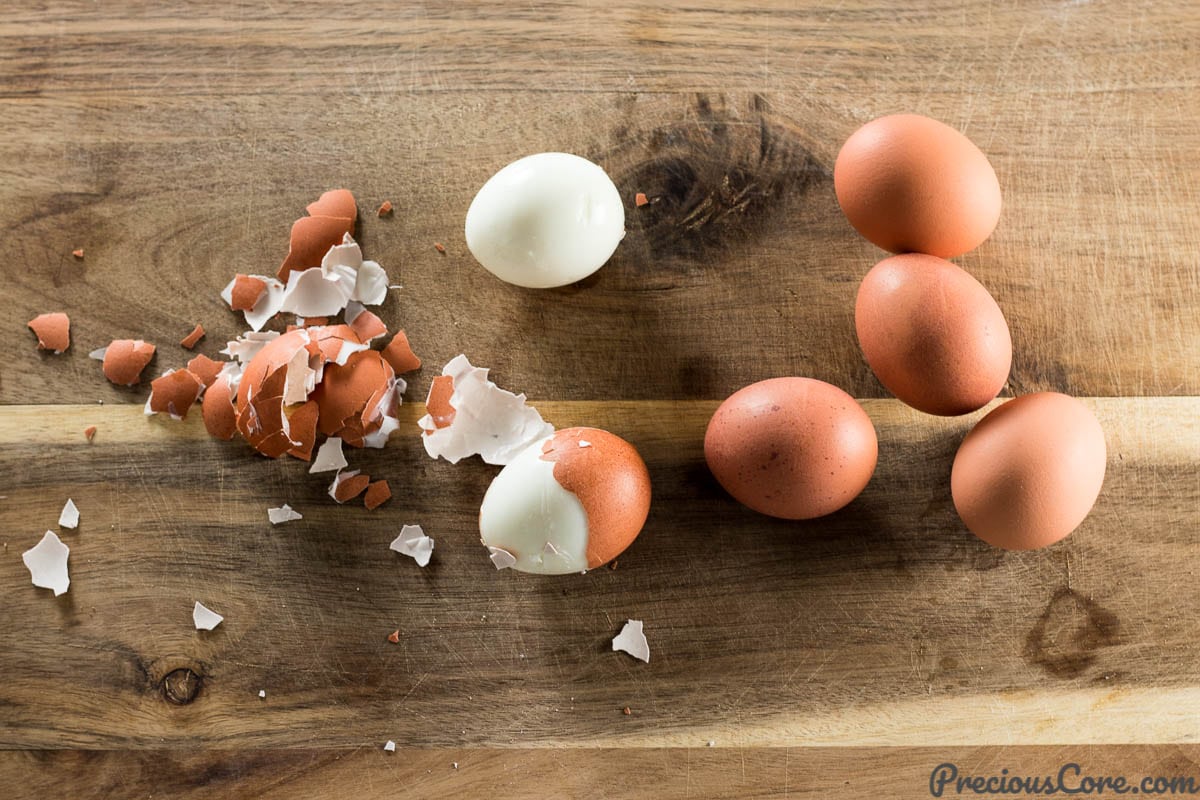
(845, 657)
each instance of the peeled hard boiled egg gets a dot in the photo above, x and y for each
(545, 220)
(932, 334)
(911, 184)
(568, 503)
(1029, 472)
(794, 448)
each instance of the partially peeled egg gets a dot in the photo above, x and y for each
(568, 503)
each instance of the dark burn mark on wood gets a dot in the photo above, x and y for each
(1065, 640)
(713, 178)
(181, 686)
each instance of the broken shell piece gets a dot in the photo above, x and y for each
(284, 513)
(47, 563)
(247, 346)
(90, 432)
(69, 518)
(389, 746)
(348, 485)
(329, 456)
(268, 300)
(400, 355)
(205, 369)
(332, 219)
(385, 208)
(220, 415)
(394, 637)
(244, 291)
(581, 505)
(501, 558)
(193, 338)
(124, 360)
(640, 200)
(78, 253)
(371, 284)
(377, 494)
(205, 619)
(53, 331)
(487, 420)
(302, 430)
(174, 393)
(314, 293)
(367, 325)
(413, 542)
(262, 693)
(631, 640)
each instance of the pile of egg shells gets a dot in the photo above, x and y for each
(1024, 477)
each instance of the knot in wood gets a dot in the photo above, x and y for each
(181, 686)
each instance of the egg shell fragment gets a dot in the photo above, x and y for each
(1030, 471)
(124, 360)
(53, 331)
(932, 334)
(377, 494)
(911, 184)
(793, 448)
(246, 291)
(193, 338)
(205, 369)
(545, 220)
(218, 411)
(174, 393)
(400, 355)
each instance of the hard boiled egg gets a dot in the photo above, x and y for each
(545, 220)
(568, 503)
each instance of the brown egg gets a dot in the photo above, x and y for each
(1029, 472)
(611, 481)
(932, 334)
(794, 448)
(911, 184)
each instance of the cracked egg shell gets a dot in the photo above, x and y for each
(302, 428)
(400, 355)
(793, 448)
(348, 390)
(246, 292)
(205, 369)
(174, 393)
(562, 507)
(1029, 472)
(332, 218)
(218, 411)
(124, 360)
(53, 331)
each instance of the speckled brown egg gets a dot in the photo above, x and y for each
(911, 184)
(794, 448)
(1029, 472)
(932, 334)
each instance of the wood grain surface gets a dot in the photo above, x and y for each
(842, 657)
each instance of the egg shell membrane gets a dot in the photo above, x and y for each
(334, 203)
(191, 340)
(350, 390)
(932, 334)
(1027, 475)
(377, 494)
(174, 393)
(793, 448)
(438, 403)
(400, 355)
(205, 369)
(125, 359)
(612, 483)
(351, 487)
(311, 239)
(367, 326)
(53, 331)
(220, 416)
(302, 428)
(247, 291)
